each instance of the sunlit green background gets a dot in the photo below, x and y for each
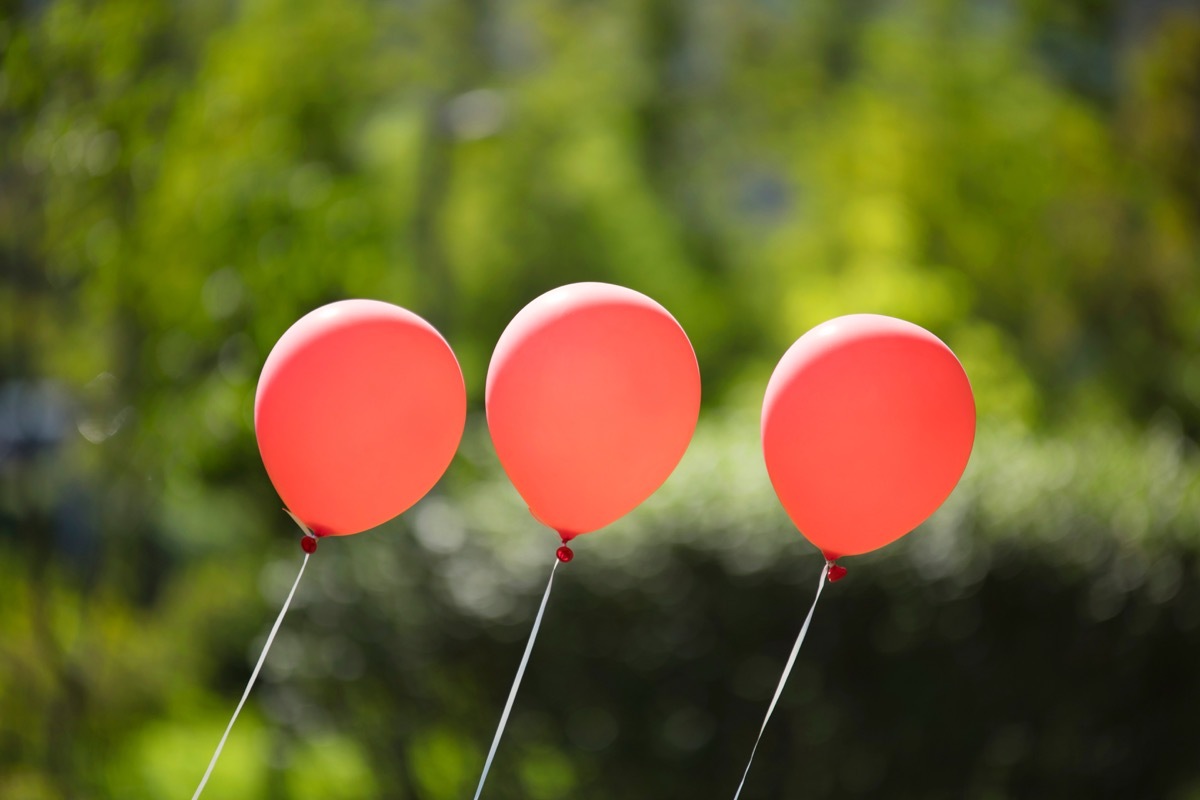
(180, 181)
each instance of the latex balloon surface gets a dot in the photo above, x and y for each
(867, 426)
(593, 393)
(359, 410)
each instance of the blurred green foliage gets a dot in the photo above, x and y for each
(181, 181)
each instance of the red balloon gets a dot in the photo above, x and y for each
(593, 393)
(867, 425)
(359, 410)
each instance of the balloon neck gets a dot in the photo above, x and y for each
(835, 572)
(308, 543)
(566, 536)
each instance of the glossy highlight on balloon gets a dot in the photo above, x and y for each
(593, 393)
(359, 410)
(867, 425)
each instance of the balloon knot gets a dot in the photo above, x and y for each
(308, 543)
(836, 572)
(564, 554)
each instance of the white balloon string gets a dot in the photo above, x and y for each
(512, 693)
(791, 662)
(253, 676)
